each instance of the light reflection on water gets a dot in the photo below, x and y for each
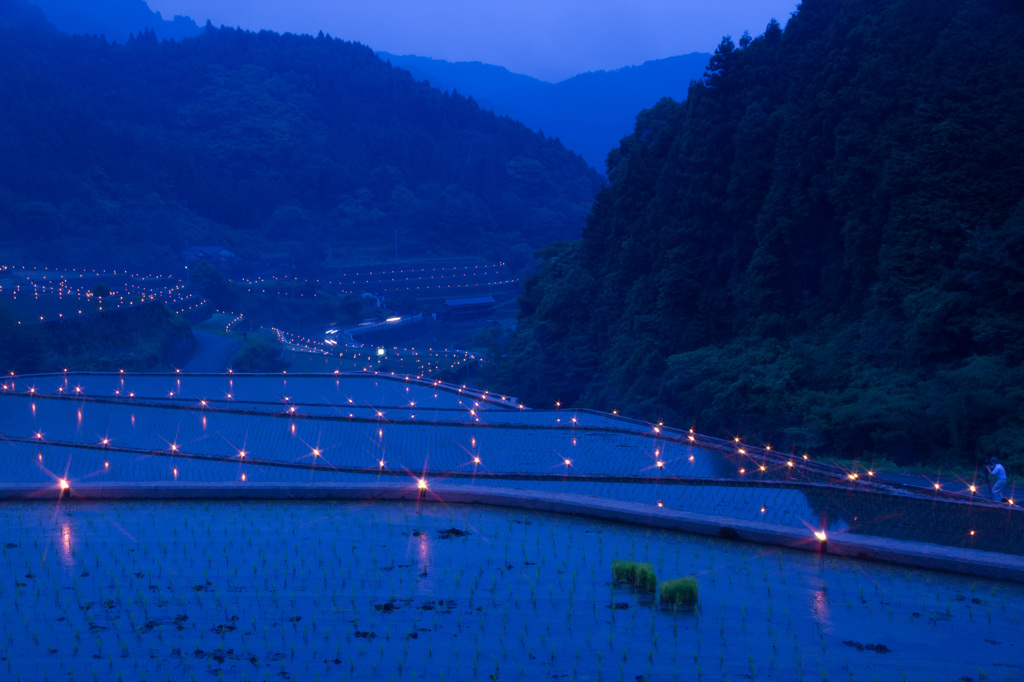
(423, 552)
(67, 555)
(820, 608)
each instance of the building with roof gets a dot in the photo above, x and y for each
(466, 310)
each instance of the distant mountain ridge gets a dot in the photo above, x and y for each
(116, 20)
(590, 113)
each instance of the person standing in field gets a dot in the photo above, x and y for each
(997, 470)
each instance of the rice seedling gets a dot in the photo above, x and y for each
(639, 575)
(678, 593)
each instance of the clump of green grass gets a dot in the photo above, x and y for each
(641, 576)
(679, 592)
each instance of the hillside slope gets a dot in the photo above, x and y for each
(589, 112)
(823, 245)
(275, 146)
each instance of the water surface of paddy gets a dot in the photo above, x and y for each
(332, 590)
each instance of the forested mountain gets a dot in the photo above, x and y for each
(114, 19)
(273, 146)
(589, 112)
(822, 246)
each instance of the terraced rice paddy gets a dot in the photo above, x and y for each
(399, 591)
(97, 428)
(97, 589)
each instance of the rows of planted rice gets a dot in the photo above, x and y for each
(320, 395)
(326, 389)
(780, 506)
(90, 431)
(346, 442)
(41, 465)
(328, 591)
(44, 464)
(434, 408)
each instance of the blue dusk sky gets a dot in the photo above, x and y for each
(548, 39)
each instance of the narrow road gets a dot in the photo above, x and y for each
(213, 355)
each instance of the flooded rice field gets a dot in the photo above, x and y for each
(331, 590)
